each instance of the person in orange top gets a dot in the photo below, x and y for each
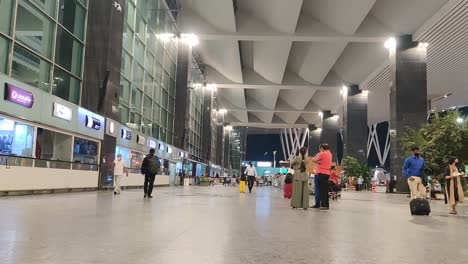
(323, 163)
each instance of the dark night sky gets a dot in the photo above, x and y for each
(258, 144)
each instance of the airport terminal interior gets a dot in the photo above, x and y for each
(233, 131)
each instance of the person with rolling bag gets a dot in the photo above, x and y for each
(413, 169)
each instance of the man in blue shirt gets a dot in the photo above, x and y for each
(413, 171)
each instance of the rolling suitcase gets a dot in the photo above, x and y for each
(288, 187)
(420, 206)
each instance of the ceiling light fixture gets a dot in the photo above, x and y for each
(165, 36)
(390, 43)
(212, 87)
(423, 45)
(344, 90)
(459, 120)
(190, 39)
(365, 92)
(320, 114)
(223, 111)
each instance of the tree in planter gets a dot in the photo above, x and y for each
(356, 169)
(442, 138)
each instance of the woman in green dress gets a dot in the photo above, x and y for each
(300, 196)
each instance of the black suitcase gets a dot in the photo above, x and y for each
(420, 206)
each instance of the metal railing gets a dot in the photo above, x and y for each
(18, 161)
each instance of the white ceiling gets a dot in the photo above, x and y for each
(278, 63)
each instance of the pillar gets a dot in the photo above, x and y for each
(101, 78)
(408, 99)
(355, 123)
(181, 100)
(314, 140)
(330, 130)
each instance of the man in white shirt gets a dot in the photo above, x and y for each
(251, 174)
(119, 169)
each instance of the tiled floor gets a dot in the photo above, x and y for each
(203, 225)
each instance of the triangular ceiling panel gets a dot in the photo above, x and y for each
(262, 98)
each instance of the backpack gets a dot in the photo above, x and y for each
(153, 165)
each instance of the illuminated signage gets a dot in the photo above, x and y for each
(62, 111)
(169, 150)
(18, 96)
(181, 154)
(125, 134)
(263, 164)
(111, 127)
(141, 140)
(161, 147)
(152, 143)
(92, 122)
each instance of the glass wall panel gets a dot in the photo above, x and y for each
(34, 29)
(139, 52)
(5, 16)
(4, 51)
(16, 139)
(72, 17)
(140, 27)
(148, 84)
(30, 69)
(68, 52)
(157, 93)
(147, 107)
(164, 99)
(126, 65)
(130, 14)
(65, 86)
(85, 151)
(156, 113)
(47, 6)
(124, 95)
(136, 100)
(138, 76)
(51, 145)
(127, 38)
(123, 114)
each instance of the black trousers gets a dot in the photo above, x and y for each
(149, 183)
(323, 189)
(250, 182)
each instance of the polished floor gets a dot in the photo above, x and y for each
(204, 225)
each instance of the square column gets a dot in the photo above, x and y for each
(408, 99)
(314, 140)
(355, 123)
(330, 130)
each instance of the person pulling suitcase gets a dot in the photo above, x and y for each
(413, 169)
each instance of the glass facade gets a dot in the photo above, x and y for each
(44, 47)
(148, 70)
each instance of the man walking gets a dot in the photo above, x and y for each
(251, 173)
(150, 167)
(413, 171)
(323, 164)
(119, 169)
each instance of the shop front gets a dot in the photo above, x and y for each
(134, 146)
(46, 143)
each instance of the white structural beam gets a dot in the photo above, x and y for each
(271, 36)
(282, 145)
(267, 125)
(262, 110)
(274, 86)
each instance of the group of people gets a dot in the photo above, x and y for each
(413, 170)
(149, 168)
(322, 171)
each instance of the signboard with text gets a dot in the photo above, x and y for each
(18, 96)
